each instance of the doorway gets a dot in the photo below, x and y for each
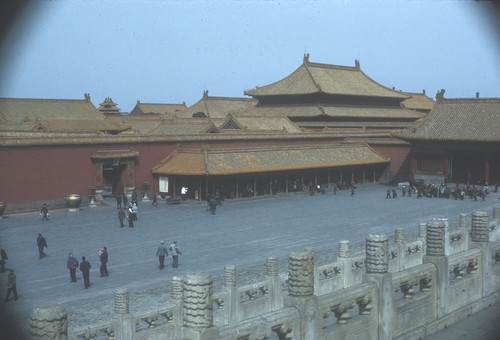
(112, 175)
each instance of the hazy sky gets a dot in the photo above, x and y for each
(170, 51)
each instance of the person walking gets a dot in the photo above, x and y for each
(130, 216)
(155, 199)
(3, 257)
(388, 194)
(11, 285)
(85, 269)
(175, 251)
(134, 197)
(161, 253)
(44, 212)
(121, 217)
(103, 256)
(72, 264)
(125, 200)
(41, 243)
(118, 201)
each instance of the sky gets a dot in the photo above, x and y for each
(171, 51)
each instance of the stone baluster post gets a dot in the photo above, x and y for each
(274, 282)
(377, 271)
(464, 227)
(177, 296)
(301, 293)
(346, 261)
(437, 241)
(399, 242)
(496, 220)
(480, 236)
(123, 322)
(49, 321)
(422, 236)
(496, 213)
(198, 307)
(232, 303)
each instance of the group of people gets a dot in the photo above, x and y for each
(132, 211)
(162, 252)
(460, 191)
(72, 264)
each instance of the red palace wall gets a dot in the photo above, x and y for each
(36, 174)
(51, 173)
(399, 166)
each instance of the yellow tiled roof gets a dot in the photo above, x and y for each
(56, 114)
(253, 160)
(460, 119)
(312, 78)
(418, 101)
(217, 107)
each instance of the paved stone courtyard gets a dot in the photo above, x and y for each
(243, 232)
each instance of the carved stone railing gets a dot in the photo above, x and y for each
(99, 331)
(350, 312)
(393, 291)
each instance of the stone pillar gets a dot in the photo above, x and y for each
(422, 236)
(346, 262)
(437, 242)
(480, 235)
(496, 213)
(198, 307)
(231, 304)
(480, 226)
(301, 293)
(49, 321)
(399, 242)
(177, 296)
(377, 252)
(275, 284)
(123, 323)
(377, 267)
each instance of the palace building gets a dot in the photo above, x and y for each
(321, 125)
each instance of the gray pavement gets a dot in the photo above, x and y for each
(243, 232)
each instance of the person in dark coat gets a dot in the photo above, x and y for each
(134, 197)
(121, 217)
(3, 257)
(118, 201)
(72, 264)
(11, 285)
(103, 256)
(85, 269)
(44, 212)
(161, 253)
(41, 243)
(125, 200)
(388, 195)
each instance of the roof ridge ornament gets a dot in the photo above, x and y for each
(357, 65)
(87, 97)
(306, 58)
(205, 94)
(440, 95)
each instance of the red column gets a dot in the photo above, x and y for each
(486, 169)
(445, 172)
(413, 168)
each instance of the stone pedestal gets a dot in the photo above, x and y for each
(377, 271)
(123, 323)
(49, 322)
(301, 290)
(198, 307)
